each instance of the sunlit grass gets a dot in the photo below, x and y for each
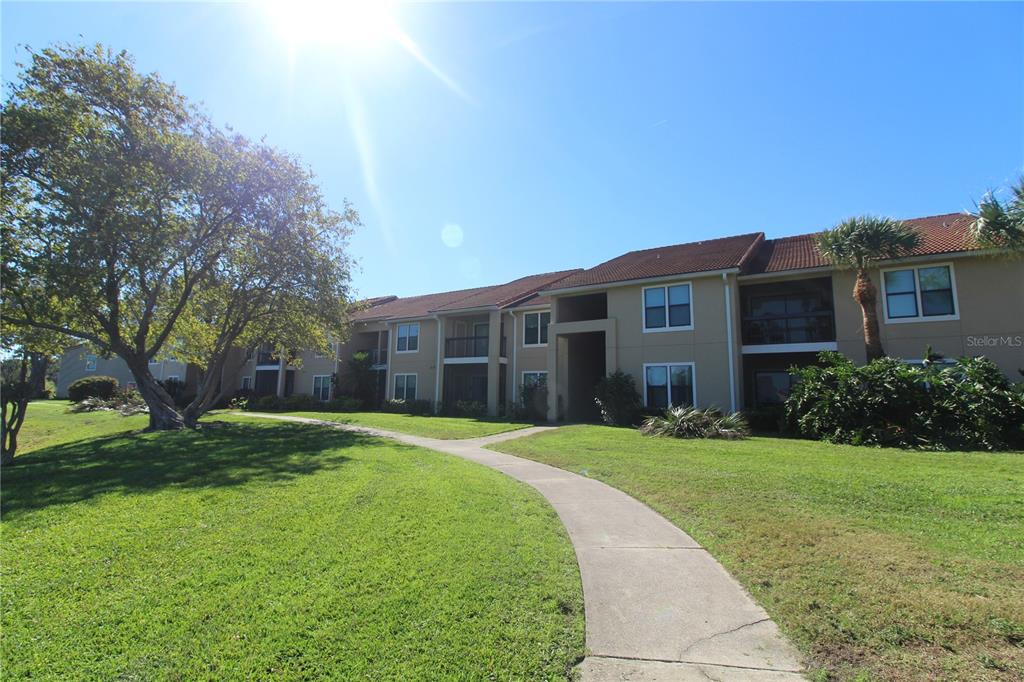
(255, 550)
(886, 564)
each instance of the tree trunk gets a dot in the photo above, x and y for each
(29, 385)
(865, 294)
(213, 388)
(162, 414)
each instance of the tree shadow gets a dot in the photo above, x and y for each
(218, 455)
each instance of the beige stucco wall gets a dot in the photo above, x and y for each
(73, 362)
(422, 362)
(990, 303)
(705, 346)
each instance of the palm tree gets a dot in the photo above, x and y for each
(1001, 226)
(854, 243)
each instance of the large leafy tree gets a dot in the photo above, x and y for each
(133, 216)
(1001, 226)
(857, 242)
(284, 281)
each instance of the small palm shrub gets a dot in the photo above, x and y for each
(92, 387)
(966, 406)
(689, 422)
(618, 399)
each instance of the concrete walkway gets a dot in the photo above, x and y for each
(658, 606)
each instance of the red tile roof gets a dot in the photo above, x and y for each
(947, 233)
(497, 296)
(506, 294)
(703, 256)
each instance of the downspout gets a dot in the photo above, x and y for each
(729, 343)
(387, 368)
(515, 347)
(437, 375)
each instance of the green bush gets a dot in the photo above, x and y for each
(470, 408)
(343, 404)
(690, 422)
(533, 402)
(966, 406)
(92, 387)
(766, 419)
(618, 399)
(399, 406)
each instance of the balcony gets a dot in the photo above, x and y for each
(810, 327)
(266, 358)
(378, 356)
(469, 347)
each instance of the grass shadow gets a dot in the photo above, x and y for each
(220, 454)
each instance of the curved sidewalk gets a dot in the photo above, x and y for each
(657, 605)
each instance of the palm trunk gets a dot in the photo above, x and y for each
(162, 414)
(865, 294)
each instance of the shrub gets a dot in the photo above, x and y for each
(264, 403)
(618, 399)
(969, 405)
(399, 406)
(768, 418)
(533, 402)
(344, 404)
(470, 408)
(92, 387)
(127, 403)
(690, 422)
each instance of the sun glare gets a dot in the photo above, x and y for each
(355, 24)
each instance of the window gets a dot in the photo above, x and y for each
(669, 384)
(405, 387)
(535, 378)
(172, 377)
(90, 363)
(322, 387)
(535, 329)
(667, 308)
(154, 362)
(408, 340)
(246, 383)
(919, 293)
(771, 387)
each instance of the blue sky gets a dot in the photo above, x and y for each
(560, 135)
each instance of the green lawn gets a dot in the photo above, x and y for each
(429, 427)
(48, 423)
(880, 564)
(253, 549)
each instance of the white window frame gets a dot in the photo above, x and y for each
(247, 383)
(538, 313)
(920, 317)
(317, 395)
(90, 363)
(667, 327)
(410, 325)
(534, 371)
(669, 366)
(394, 386)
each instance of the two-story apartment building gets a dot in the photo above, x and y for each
(718, 322)
(80, 361)
(710, 323)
